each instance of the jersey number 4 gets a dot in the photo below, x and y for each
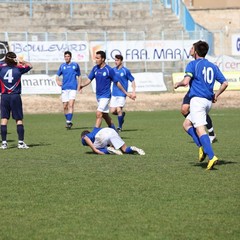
(8, 76)
(208, 74)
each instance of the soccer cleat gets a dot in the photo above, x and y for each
(119, 129)
(138, 150)
(213, 138)
(202, 155)
(211, 163)
(4, 146)
(69, 125)
(22, 145)
(112, 150)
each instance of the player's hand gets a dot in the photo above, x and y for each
(176, 85)
(214, 100)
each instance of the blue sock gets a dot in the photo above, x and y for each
(104, 150)
(112, 126)
(69, 117)
(20, 131)
(129, 150)
(207, 146)
(120, 121)
(4, 132)
(192, 132)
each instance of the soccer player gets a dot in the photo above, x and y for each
(104, 76)
(201, 74)
(186, 106)
(107, 141)
(11, 102)
(118, 98)
(70, 85)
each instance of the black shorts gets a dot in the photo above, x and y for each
(186, 99)
(11, 103)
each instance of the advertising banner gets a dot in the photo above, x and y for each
(133, 51)
(39, 84)
(233, 79)
(3, 50)
(236, 44)
(145, 82)
(50, 51)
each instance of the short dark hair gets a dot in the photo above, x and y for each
(102, 53)
(201, 47)
(68, 53)
(85, 132)
(119, 56)
(11, 59)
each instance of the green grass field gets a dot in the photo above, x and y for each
(58, 189)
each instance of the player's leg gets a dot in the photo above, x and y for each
(185, 108)
(211, 133)
(199, 108)
(120, 103)
(5, 115)
(65, 100)
(70, 107)
(102, 113)
(17, 115)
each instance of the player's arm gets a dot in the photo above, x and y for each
(79, 80)
(82, 85)
(124, 91)
(90, 144)
(59, 82)
(183, 83)
(221, 89)
(134, 89)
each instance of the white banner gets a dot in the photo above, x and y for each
(39, 84)
(236, 44)
(145, 82)
(225, 63)
(133, 51)
(51, 51)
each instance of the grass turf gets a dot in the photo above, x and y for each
(58, 189)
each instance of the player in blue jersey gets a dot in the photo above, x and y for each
(104, 76)
(11, 102)
(107, 141)
(118, 99)
(70, 85)
(201, 75)
(186, 106)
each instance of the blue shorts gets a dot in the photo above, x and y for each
(186, 99)
(11, 103)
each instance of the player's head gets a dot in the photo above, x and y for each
(67, 56)
(118, 60)
(11, 59)
(83, 134)
(201, 48)
(100, 57)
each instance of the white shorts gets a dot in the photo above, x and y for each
(68, 95)
(108, 136)
(103, 105)
(199, 108)
(117, 101)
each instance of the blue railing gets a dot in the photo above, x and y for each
(185, 18)
(72, 3)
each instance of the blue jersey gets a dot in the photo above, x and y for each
(10, 78)
(104, 77)
(70, 72)
(203, 75)
(91, 135)
(124, 75)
